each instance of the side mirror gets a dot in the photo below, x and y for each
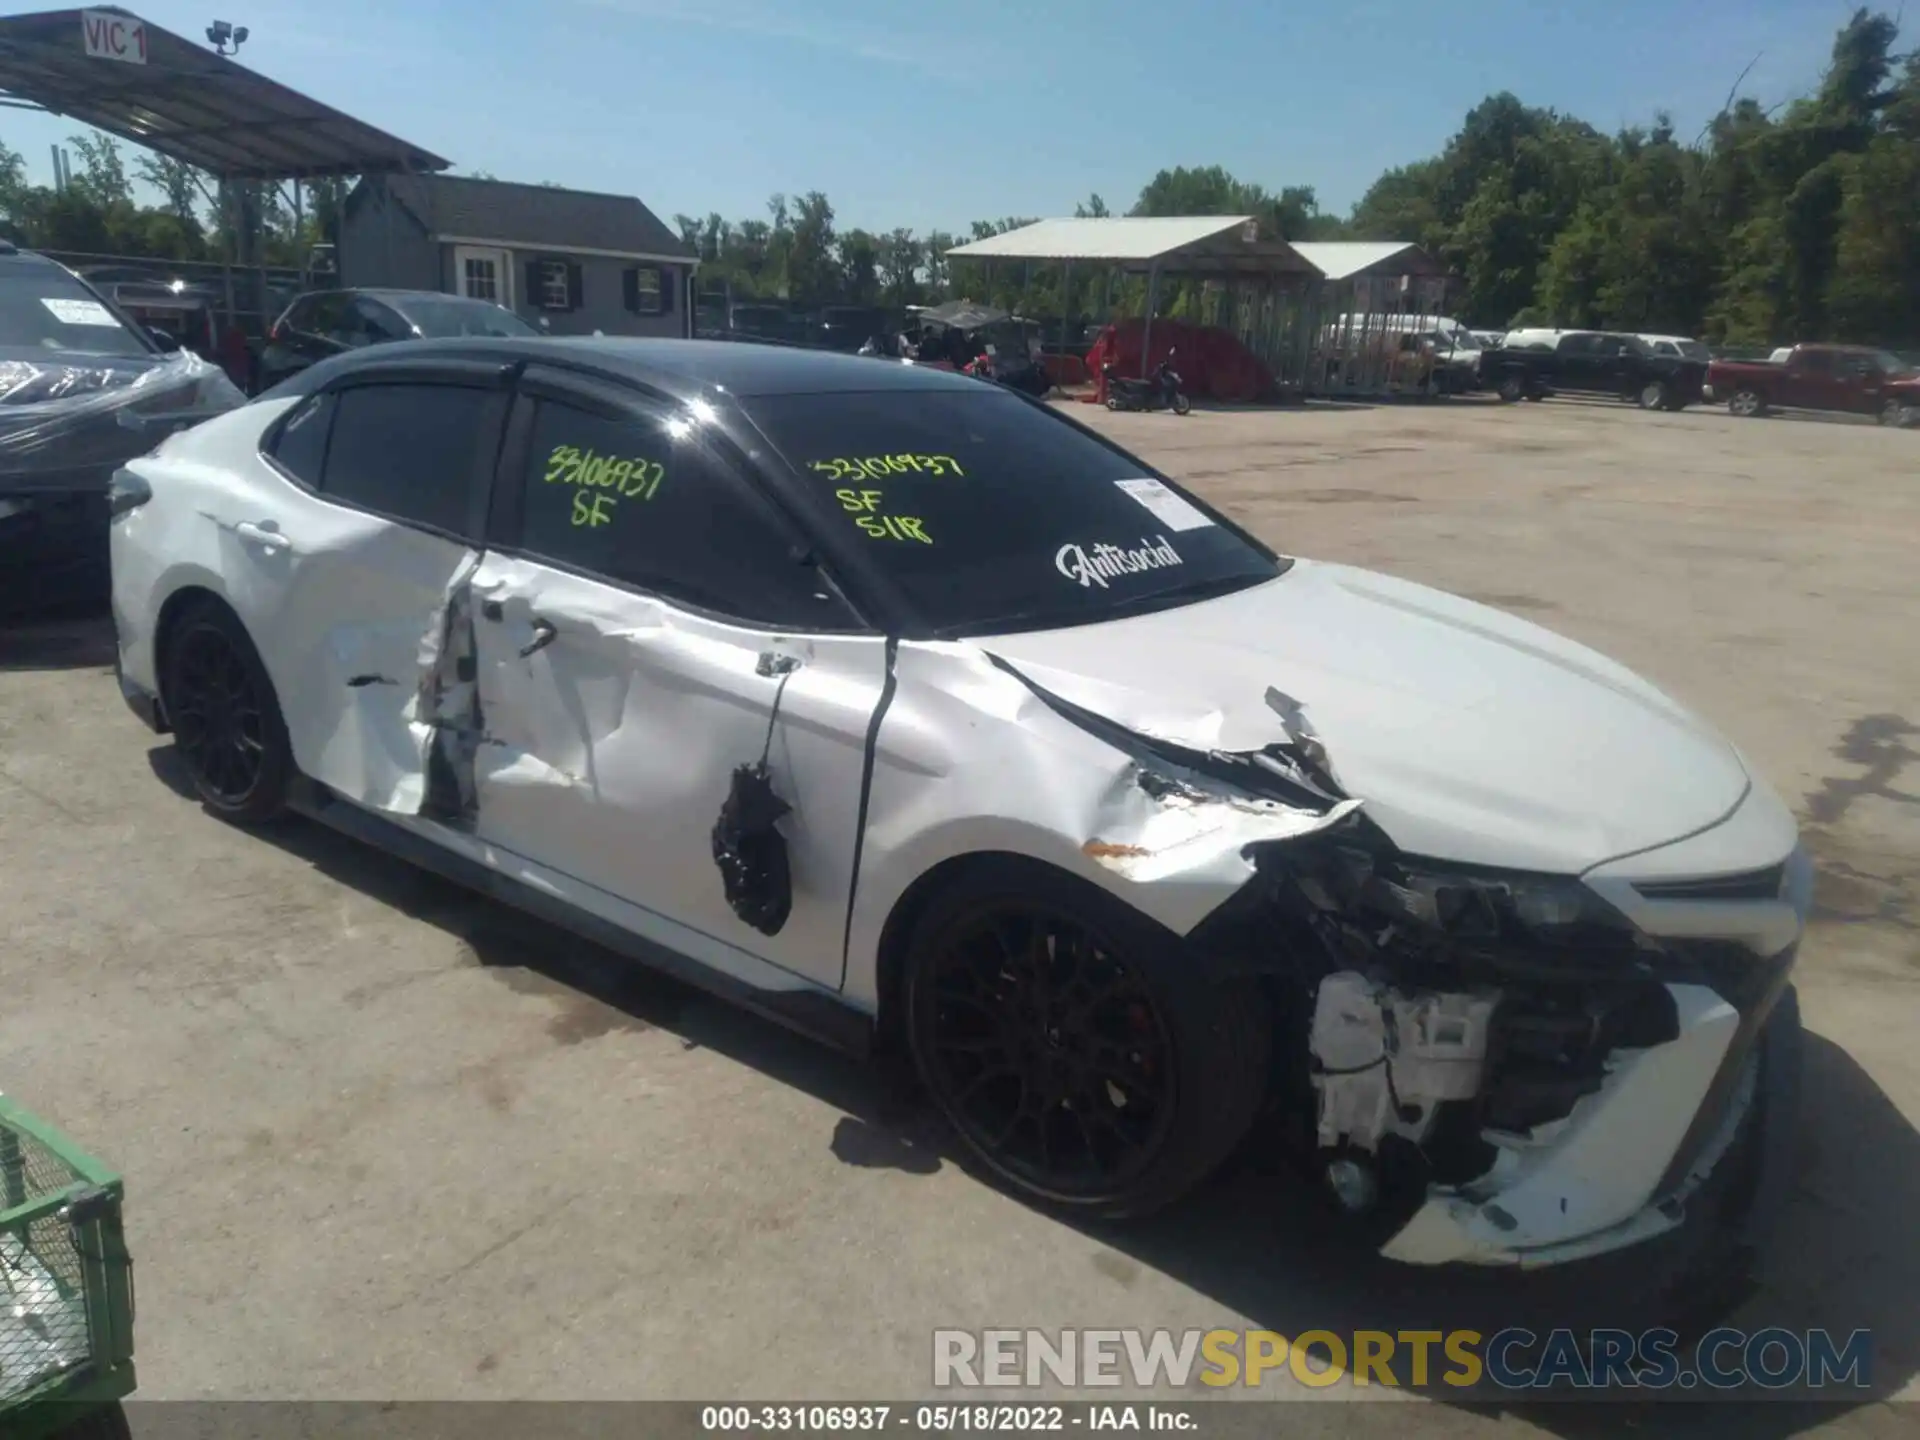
(165, 339)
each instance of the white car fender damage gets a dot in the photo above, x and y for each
(970, 759)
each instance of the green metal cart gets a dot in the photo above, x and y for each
(66, 1285)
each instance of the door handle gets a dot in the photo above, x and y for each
(543, 636)
(259, 535)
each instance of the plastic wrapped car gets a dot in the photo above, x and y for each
(83, 389)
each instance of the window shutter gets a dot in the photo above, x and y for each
(669, 282)
(630, 289)
(530, 297)
(576, 286)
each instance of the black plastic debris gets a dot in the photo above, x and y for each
(749, 849)
(751, 853)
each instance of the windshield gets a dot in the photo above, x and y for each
(1891, 364)
(1696, 350)
(450, 317)
(990, 514)
(46, 309)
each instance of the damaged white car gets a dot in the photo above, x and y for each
(902, 708)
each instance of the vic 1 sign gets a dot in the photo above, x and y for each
(114, 37)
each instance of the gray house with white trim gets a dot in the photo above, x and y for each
(577, 260)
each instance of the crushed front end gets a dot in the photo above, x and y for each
(1494, 1067)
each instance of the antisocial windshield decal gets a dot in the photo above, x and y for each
(1090, 565)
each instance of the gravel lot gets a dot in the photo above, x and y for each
(387, 1140)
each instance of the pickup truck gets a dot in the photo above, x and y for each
(1850, 378)
(1532, 364)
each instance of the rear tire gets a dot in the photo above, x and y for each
(1083, 1058)
(225, 717)
(1747, 404)
(1654, 395)
(1512, 389)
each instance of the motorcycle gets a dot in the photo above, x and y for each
(1162, 392)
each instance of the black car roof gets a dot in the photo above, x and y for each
(681, 367)
(28, 260)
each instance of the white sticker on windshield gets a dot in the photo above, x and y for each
(81, 312)
(1174, 511)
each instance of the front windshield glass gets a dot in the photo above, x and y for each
(989, 514)
(45, 309)
(450, 318)
(1891, 364)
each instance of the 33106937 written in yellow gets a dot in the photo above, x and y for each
(602, 481)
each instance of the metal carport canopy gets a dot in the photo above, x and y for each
(189, 104)
(1198, 245)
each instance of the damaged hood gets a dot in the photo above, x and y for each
(1467, 734)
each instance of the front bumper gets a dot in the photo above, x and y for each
(1676, 1128)
(1630, 1165)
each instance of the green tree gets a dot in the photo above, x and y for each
(859, 277)
(812, 268)
(181, 184)
(102, 177)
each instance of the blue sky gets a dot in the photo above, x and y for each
(931, 113)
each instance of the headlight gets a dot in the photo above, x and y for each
(1468, 904)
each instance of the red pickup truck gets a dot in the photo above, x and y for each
(1820, 377)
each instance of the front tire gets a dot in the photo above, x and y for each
(1082, 1057)
(1181, 405)
(1895, 414)
(226, 721)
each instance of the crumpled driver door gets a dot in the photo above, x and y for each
(613, 722)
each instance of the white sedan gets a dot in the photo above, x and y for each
(909, 711)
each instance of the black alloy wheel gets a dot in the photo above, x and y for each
(226, 722)
(1047, 1051)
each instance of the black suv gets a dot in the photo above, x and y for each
(1531, 365)
(331, 322)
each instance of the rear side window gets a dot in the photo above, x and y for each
(300, 449)
(410, 451)
(637, 498)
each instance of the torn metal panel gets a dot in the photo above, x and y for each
(973, 758)
(381, 695)
(606, 749)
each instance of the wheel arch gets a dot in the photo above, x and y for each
(897, 930)
(190, 594)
